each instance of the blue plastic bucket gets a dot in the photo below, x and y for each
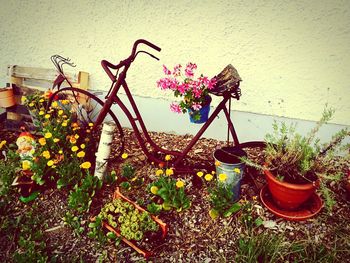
(227, 161)
(203, 112)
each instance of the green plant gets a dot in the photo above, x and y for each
(132, 223)
(74, 222)
(171, 192)
(128, 171)
(302, 159)
(263, 247)
(80, 198)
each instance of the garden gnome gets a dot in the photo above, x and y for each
(25, 143)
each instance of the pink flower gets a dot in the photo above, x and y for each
(196, 106)
(174, 107)
(190, 67)
(211, 83)
(177, 70)
(166, 70)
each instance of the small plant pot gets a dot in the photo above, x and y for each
(203, 112)
(162, 225)
(228, 161)
(7, 99)
(286, 195)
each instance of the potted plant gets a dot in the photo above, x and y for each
(193, 92)
(295, 165)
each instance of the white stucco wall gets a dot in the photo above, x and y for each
(293, 56)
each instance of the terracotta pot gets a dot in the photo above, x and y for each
(7, 99)
(286, 195)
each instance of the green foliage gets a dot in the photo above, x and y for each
(261, 247)
(221, 199)
(81, 197)
(131, 222)
(66, 170)
(8, 171)
(298, 159)
(74, 222)
(154, 208)
(96, 230)
(128, 171)
(29, 239)
(172, 196)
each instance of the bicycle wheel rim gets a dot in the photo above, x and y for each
(85, 108)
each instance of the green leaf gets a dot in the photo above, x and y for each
(233, 209)
(259, 221)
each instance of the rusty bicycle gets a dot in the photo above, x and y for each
(92, 109)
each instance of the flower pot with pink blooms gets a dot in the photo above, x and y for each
(194, 92)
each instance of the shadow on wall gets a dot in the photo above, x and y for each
(249, 126)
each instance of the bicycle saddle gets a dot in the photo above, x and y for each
(227, 81)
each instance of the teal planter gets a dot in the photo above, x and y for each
(228, 162)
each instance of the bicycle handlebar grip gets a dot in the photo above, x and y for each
(139, 41)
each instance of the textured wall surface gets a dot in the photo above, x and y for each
(293, 56)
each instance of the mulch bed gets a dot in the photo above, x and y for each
(193, 236)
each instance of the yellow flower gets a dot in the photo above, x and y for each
(179, 184)
(41, 112)
(42, 141)
(2, 143)
(31, 104)
(213, 172)
(80, 154)
(60, 112)
(41, 100)
(47, 116)
(26, 165)
(64, 102)
(48, 135)
(23, 99)
(46, 154)
(76, 136)
(56, 140)
(124, 155)
(60, 151)
(64, 124)
(169, 172)
(54, 104)
(50, 163)
(167, 157)
(154, 189)
(75, 148)
(82, 146)
(85, 165)
(159, 172)
(222, 177)
(237, 170)
(217, 163)
(72, 140)
(91, 124)
(208, 177)
(200, 174)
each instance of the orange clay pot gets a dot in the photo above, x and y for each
(286, 195)
(7, 99)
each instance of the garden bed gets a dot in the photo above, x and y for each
(193, 236)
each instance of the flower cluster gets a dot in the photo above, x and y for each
(60, 149)
(171, 192)
(193, 91)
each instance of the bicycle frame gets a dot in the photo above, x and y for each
(112, 98)
(176, 163)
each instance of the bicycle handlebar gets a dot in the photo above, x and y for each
(106, 65)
